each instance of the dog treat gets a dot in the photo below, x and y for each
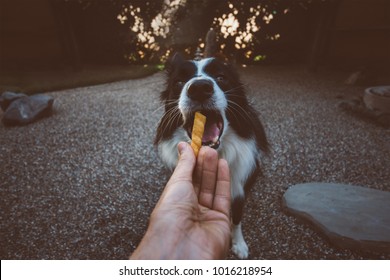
(197, 132)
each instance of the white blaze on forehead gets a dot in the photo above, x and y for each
(200, 65)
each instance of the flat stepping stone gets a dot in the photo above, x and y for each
(351, 217)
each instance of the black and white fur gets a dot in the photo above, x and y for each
(213, 87)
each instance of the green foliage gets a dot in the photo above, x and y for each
(259, 58)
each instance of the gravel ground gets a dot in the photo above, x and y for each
(82, 183)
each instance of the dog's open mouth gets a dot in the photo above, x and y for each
(212, 131)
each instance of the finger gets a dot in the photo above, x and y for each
(209, 177)
(222, 198)
(197, 177)
(179, 186)
(185, 165)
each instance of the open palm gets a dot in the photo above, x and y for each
(192, 218)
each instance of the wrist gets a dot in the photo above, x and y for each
(159, 242)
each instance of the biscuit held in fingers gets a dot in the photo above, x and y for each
(197, 132)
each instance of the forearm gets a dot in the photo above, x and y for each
(153, 247)
(161, 241)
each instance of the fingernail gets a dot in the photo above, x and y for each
(181, 147)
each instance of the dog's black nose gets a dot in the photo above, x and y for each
(200, 90)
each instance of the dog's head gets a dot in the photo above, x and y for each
(209, 86)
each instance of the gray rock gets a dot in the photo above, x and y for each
(350, 216)
(8, 97)
(28, 109)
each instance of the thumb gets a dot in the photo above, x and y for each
(179, 185)
(186, 163)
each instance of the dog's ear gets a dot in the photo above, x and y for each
(210, 49)
(173, 61)
(177, 58)
(164, 95)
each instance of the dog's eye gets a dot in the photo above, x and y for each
(220, 78)
(179, 84)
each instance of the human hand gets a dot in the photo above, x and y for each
(192, 217)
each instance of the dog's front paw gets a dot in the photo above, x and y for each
(241, 250)
(239, 247)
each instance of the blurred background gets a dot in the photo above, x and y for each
(82, 36)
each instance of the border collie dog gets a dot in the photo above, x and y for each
(232, 126)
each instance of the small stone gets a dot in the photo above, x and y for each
(351, 217)
(28, 109)
(8, 97)
(378, 99)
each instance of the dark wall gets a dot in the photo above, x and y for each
(28, 35)
(47, 34)
(362, 33)
(100, 36)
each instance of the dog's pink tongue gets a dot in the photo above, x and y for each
(211, 132)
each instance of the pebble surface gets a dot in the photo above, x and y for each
(82, 183)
